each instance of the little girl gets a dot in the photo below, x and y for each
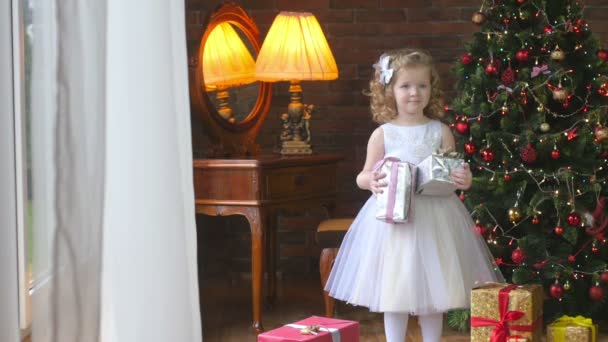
(430, 264)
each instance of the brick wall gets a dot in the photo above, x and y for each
(357, 31)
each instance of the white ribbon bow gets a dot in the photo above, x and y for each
(382, 66)
(335, 333)
(509, 90)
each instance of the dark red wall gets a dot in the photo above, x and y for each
(357, 31)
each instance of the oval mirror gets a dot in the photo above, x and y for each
(230, 101)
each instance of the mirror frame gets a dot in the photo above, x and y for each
(230, 139)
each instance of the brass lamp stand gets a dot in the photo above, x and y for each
(295, 136)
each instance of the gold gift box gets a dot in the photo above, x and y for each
(573, 329)
(527, 299)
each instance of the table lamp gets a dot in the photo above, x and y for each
(227, 62)
(295, 49)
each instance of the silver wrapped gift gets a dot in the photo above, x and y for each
(434, 173)
(394, 202)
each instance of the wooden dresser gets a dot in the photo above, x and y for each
(258, 188)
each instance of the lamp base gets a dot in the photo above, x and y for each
(295, 148)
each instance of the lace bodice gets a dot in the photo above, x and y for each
(412, 143)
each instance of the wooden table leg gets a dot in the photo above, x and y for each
(272, 258)
(326, 262)
(257, 217)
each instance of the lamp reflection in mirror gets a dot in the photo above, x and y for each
(227, 62)
(295, 49)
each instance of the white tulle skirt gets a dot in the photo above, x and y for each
(427, 265)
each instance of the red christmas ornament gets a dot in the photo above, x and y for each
(555, 154)
(604, 277)
(480, 229)
(508, 76)
(462, 127)
(522, 55)
(596, 293)
(521, 2)
(487, 154)
(603, 90)
(535, 220)
(518, 256)
(603, 55)
(559, 230)
(470, 148)
(557, 290)
(507, 177)
(594, 249)
(466, 59)
(572, 134)
(492, 68)
(461, 196)
(529, 154)
(571, 258)
(574, 219)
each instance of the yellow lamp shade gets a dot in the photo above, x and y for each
(295, 48)
(226, 60)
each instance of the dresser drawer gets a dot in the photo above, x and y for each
(302, 181)
(226, 184)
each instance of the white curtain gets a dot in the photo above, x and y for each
(9, 293)
(113, 208)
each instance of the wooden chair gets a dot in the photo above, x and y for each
(329, 237)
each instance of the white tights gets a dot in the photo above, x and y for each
(395, 326)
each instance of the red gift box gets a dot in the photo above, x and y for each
(331, 330)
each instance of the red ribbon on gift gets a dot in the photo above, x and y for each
(502, 330)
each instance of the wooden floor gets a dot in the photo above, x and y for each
(226, 311)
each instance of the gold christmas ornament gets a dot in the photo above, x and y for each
(560, 94)
(478, 18)
(514, 214)
(601, 133)
(558, 55)
(545, 127)
(567, 285)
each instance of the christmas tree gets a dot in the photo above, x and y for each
(530, 117)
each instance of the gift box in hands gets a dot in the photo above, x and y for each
(433, 173)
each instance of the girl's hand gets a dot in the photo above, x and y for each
(376, 183)
(462, 178)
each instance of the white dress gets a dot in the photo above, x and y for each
(427, 265)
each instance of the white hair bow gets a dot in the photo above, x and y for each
(382, 67)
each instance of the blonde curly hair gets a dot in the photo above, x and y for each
(382, 103)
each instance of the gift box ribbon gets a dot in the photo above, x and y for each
(335, 333)
(503, 327)
(392, 185)
(563, 322)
